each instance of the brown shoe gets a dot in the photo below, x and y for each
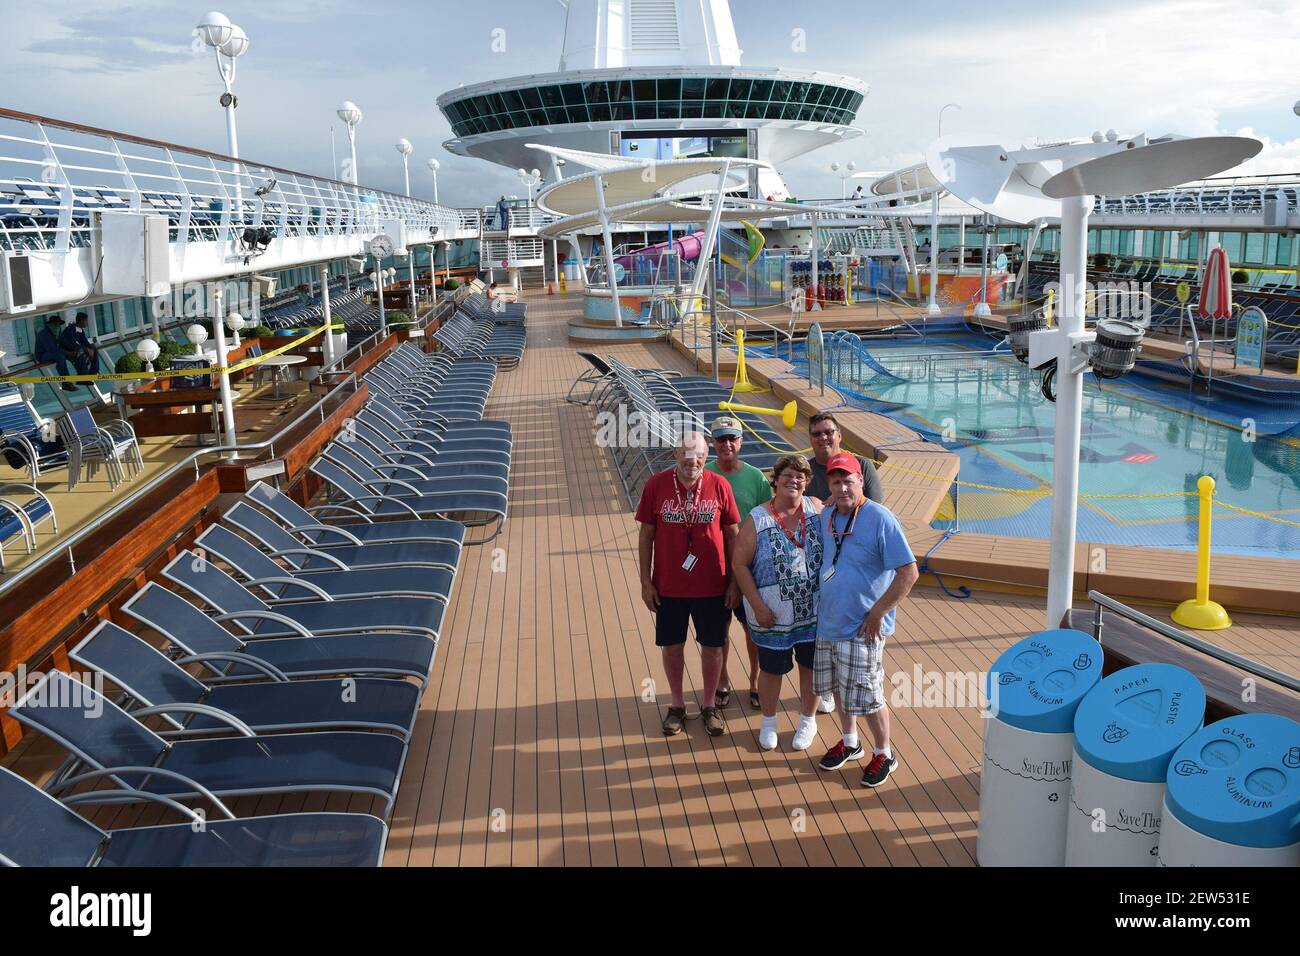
(674, 721)
(713, 724)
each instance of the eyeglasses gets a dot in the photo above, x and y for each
(727, 438)
(823, 434)
(796, 477)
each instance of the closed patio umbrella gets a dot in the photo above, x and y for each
(1216, 293)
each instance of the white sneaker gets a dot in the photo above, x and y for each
(826, 704)
(804, 736)
(767, 739)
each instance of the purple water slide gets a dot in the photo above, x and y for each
(688, 248)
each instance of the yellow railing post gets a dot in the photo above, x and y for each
(742, 384)
(1200, 613)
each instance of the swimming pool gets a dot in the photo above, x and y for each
(1145, 443)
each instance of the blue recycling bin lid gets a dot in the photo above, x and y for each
(1238, 781)
(1131, 723)
(1040, 680)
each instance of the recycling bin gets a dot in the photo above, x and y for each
(1125, 734)
(1232, 795)
(1033, 690)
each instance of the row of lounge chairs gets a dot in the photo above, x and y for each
(657, 407)
(262, 623)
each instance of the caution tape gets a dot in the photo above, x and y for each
(171, 373)
(1257, 514)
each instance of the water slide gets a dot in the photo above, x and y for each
(687, 247)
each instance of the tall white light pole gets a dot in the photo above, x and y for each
(228, 42)
(351, 115)
(932, 307)
(404, 147)
(434, 166)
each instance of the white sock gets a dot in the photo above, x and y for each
(851, 740)
(769, 723)
(807, 721)
(888, 752)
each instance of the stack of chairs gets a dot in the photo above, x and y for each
(651, 410)
(420, 448)
(476, 304)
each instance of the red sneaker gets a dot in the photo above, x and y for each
(839, 755)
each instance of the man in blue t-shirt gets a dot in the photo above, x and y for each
(867, 569)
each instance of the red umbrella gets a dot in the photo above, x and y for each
(1216, 287)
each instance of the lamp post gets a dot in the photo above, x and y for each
(530, 178)
(228, 42)
(350, 114)
(404, 147)
(235, 322)
(932, 307)
(434, 166)
(845, 176)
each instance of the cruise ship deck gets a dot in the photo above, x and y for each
(538, 741)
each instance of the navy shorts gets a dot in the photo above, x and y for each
(782, 662)
(710, 614)
(738, 612)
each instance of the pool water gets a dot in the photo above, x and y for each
(1142, 437)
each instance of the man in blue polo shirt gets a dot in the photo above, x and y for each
(867, 569)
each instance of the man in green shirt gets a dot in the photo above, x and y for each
(750, 488)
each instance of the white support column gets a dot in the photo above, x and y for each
(1022, 280)
(410, 272)
(379, 291)
(961, 245)
(982, 307)
(328, 345)
(218, 299)
(446, 252)
(608, 242)
(932, 307)
(814, 278)
(1069, 407)
(702, 263)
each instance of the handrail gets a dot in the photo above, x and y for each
(65, 547)
(1187, 640)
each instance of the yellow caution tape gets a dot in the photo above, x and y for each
(171, 373)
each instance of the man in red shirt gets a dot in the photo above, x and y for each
(688, 521)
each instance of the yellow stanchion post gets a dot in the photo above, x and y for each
(742, 375)
(1200, 613)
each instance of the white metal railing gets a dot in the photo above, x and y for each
(54, 176)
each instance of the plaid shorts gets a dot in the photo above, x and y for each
(855, 670)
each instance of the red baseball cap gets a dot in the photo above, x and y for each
(844, 462)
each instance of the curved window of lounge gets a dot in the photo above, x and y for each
(621, 101)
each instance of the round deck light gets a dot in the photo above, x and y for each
(236, 45)
(215, 29)
(235, 322)
(1116, 347)
(1019, 327)
(147, 350)
(197, 335)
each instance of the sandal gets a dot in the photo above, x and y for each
(722, 697)
(754, 701)
(674, 721)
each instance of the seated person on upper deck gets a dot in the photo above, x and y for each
(48, 348)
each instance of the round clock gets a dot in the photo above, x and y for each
(381, 247)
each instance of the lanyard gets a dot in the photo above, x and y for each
(692, 503)
(839, 536)
(803, 535)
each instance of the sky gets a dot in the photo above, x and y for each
(1018, 70)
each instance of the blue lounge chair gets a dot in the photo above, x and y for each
(20, 436)
(302, 521)
(323, 616)
(230, 657)
(117, 745)
(263, 573)
(37, 829)
(151, 679)
(281, 544)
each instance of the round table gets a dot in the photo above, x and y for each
(278, 364)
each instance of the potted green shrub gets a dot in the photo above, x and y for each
(400, 323)
(1240, 277)
(451, 285)
(128, 364)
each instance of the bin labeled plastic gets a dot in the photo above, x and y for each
(1125, 734)
(1033, 690)
(1233, 795)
